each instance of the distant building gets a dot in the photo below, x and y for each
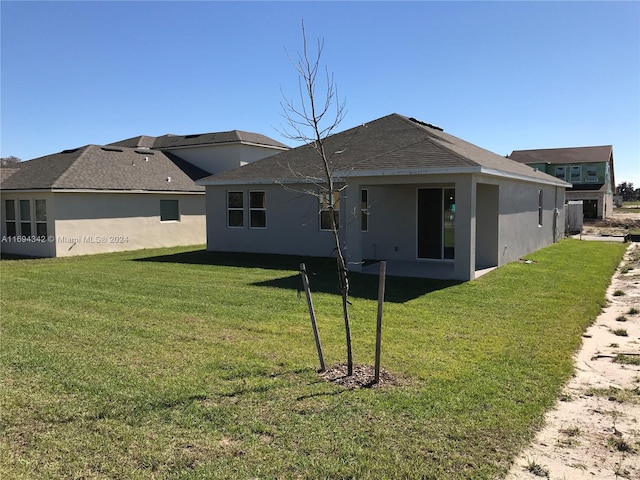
(588, 169)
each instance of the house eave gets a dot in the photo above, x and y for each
(516, 176)
(285, 181)
(343, 175)
(216, 144)
(90, 190)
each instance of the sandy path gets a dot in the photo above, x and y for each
(594, 430)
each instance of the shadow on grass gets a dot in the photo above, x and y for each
(323, 277)
(397, 289)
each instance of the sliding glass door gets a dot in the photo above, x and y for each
(436, 223)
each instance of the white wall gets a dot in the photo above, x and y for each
(89, 223)
(218, 158)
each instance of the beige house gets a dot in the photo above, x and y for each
(134, 194)
(428, 203)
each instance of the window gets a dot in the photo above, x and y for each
(25, 218)
(169, 211)
(561, 173)
(364, 210)
(10, 217)
(326, 209)
(258, 209)
(576, 173)
(41, 218)
(235, 209)
(592, 174)
(539, 208)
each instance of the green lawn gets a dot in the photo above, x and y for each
(631, 206)
(188, 365)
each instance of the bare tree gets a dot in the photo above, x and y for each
(9, 161)
(311, 120)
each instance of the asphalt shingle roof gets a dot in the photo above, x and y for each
(595, 154)
(95, 167)
(176, 141)
(390, 145)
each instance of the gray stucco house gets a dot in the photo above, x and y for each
(415, 196)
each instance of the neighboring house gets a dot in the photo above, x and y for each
(429, 203)
(134, 194)
(588, 169)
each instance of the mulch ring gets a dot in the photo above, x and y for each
(363, 377)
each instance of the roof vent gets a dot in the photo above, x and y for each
(425, 124)
(144, 152)
(71, 150)
(195, 135)
(111, 149)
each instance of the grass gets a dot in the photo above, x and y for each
(628, 395)
(627, 359)
(183, 364)
(536, 469)
(620, 444)
(629, 206)
(620, 332)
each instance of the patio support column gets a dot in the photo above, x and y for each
(352, 238)
(465, 225)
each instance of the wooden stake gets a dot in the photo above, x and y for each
(381, 285)
(312, 314)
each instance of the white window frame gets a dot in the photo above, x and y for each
(364, 209)
(540, 207)
(231, 209)
(324, 200)
(32, 221)
(25, 221)
(253, 209)
(10, 219)
(177, 204)
(40, 221)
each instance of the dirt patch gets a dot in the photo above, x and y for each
(594, 430)
(363, 377)
(620, 224)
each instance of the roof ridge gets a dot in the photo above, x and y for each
(429, 137)
(63, 175)
(563, 148)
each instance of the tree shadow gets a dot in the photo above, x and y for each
(322, 273)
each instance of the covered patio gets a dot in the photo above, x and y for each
(420, 269)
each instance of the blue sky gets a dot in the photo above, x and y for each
(502, 75)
